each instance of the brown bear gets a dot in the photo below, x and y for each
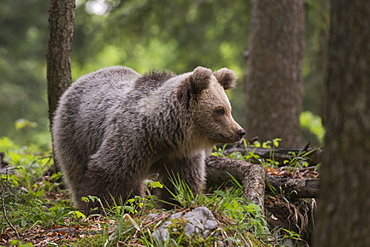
(115, 127)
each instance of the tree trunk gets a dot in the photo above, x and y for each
(59, 52)
(344, 208)
(273, 83)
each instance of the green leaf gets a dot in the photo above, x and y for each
(77, 214)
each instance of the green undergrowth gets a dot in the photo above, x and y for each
(28, 197)
(240, 222)
(32, 200)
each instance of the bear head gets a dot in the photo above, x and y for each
(203, 95)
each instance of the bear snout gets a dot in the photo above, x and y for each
(241, 132)
(234, 136)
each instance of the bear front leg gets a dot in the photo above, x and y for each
(112, 179)
(190, 170)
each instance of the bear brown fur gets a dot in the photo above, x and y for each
(115, 127)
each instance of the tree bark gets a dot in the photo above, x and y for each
(344, 205)
(59, 52)
(273, 82)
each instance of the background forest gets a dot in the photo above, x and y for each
(145, 35)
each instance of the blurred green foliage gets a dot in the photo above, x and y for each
(23, 37)
(142, 34)
(313, 124)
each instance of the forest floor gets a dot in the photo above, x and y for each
(36, 211)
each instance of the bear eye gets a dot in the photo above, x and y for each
(220, 111)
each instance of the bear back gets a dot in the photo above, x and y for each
(152, 80)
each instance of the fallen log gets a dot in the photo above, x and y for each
(256, 182)
(251, 176)
(254, 178)
(313, 155)
(296, 187)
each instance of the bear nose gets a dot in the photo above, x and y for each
(241, 132)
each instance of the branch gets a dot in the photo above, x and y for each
(251, 176)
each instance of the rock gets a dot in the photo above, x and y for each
(199, 222)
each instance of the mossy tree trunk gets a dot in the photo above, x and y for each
(344, 206)
(273, 82)
(59, 52)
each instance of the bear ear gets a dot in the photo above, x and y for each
(193, 85)
(226, 78)
(200, 80)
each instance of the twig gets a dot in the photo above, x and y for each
(41, 158)
(4, 208)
